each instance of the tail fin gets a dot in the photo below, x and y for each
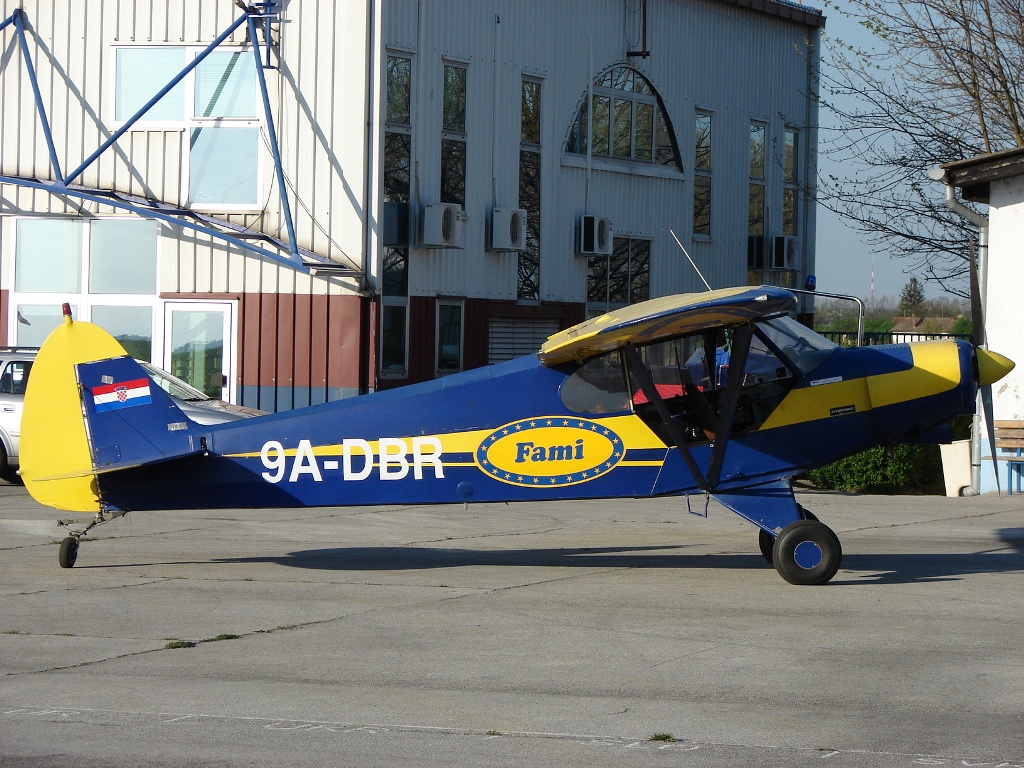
(91, 408)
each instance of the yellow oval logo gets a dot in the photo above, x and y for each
(549, 452)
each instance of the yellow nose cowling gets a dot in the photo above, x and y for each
(992, 367)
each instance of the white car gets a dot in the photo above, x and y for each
(16, 364)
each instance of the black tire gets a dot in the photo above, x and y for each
(68, 552)
(767, 544)
(766, 541)
(805, 513)
(7, 472)
(807, 552)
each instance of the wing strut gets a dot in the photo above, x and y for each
(741, 338)
(637, 367)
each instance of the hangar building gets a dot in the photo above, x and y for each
(287, 203)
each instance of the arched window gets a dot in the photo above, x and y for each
(629, 121)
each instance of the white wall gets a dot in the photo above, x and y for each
(1003, 323)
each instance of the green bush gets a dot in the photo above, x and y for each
(897, 469)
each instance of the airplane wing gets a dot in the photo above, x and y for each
(664, 318)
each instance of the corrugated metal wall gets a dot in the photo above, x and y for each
(320, 121)
(300, 337)
(739, 64)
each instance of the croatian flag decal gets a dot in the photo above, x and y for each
(125, 394)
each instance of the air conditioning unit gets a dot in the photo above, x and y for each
(595, 236)
(442, 225)
(786, 253)
(508, 229)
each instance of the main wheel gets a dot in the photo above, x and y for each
(807, 552)
(68, 552)
(766, 541)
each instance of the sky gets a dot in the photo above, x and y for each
(844, 262)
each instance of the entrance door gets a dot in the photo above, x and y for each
(199, 345)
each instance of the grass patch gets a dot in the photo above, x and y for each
(179, 644)
(218, 638)
(12, 632)
(665, 737)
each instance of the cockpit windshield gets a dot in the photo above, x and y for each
(802, 347)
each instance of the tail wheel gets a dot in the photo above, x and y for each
(766, 541)
(807, 552)
(68, 552)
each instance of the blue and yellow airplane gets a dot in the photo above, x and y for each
(719, 393)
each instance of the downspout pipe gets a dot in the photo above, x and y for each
(981, 222)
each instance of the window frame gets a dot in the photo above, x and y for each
(790, 165)
(460, 305)
(191, 122)
(576, 145)
(596, 307)
(703, 173)
(83, 301)
(528, 259)
(453, 139)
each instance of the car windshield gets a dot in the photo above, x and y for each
(172, 385)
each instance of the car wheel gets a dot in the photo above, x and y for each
(7, 472)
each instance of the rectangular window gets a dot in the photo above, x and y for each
(116, 256)
(620, 279)
(35, 321)
(224, 166)
(394, 332)
(453, 135)
(789, 189)
(623, 128)
(644, 131)
(602, 109)
(757, 144)
(702, 175)
(528, 280)
(122, 256)
(755, 189)
(48, 256)
(218, 107)
(131, 326)
(397, 165)
(399, 91)
(139, 75)
(449, 337)
(225, 86)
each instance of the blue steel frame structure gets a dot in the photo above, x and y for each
(287, 252)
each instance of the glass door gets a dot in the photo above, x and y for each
(198, 346)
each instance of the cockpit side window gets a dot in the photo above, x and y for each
(598, 386)
(691, 375)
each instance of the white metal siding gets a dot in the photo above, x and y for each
(318, 97)
(739, 64)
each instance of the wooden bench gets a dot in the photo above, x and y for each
(1010, 437)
